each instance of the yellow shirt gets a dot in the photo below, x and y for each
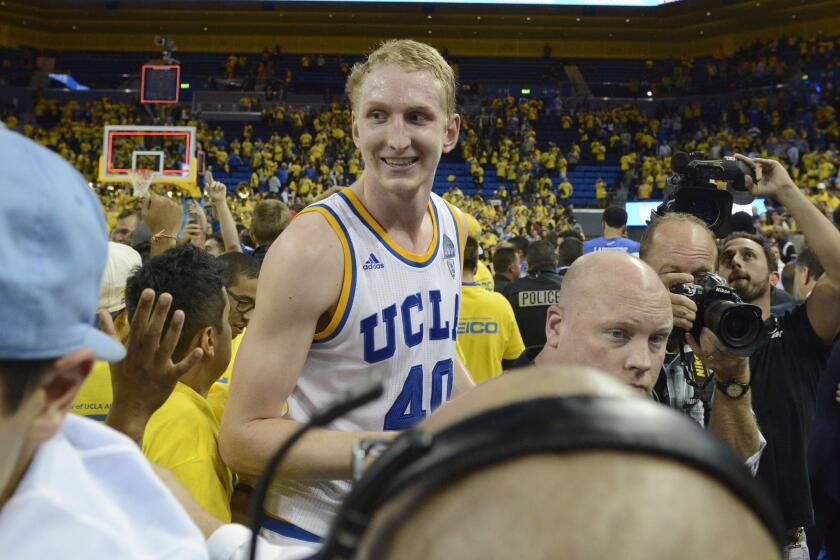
(183, 436)
(218, 393)
(483, 276)
(95, 395)
(565, 189)
(487, 332)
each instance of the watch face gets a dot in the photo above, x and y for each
(734, 390)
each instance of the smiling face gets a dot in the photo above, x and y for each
(402, 129)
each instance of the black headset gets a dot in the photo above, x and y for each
(424, 463)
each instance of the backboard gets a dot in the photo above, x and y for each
(168, 151)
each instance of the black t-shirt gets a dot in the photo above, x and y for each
(785, 374)
(526, 358)
(824, 449)
(500, 282)
(530, 298)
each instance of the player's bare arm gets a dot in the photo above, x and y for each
(299, 287)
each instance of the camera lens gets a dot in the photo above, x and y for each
(738, 326)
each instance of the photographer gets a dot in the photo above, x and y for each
(787, 367)
(680, 248)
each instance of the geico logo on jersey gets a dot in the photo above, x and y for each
(412, 313)
(372, 263)
(539, 298)
(478, 326)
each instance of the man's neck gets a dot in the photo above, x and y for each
(397, 214)
(18, 470)
(612, 233)
(468, 276)
(199, 380)
(763, 303)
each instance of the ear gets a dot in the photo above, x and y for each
(553, 324)
(253, 239)
(354, 128)
(810, 281)
(453, 130)
(59, 392)
(207, 341)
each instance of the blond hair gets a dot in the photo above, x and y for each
(409, 55)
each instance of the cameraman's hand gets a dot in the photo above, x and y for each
(726, 366)
(682, 307)
(771, 177)
(161, 213)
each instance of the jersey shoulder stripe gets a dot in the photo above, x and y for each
(460, 229)
(348, 283)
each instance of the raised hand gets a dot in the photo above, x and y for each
(161, 214)
(146, 377)
(771, 177)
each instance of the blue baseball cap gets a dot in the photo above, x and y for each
(53, 248)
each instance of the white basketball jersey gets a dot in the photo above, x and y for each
(397, 315)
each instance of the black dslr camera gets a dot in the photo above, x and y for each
(691, 189)
(738, 325)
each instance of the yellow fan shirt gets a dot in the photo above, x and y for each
(487, 332)
(218, 394)
(484, 277)
(183, 436)
(95, 395)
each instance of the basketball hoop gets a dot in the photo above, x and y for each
(141, 179)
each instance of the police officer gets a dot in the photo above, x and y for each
(532, 294)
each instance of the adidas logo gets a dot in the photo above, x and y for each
(372, 263)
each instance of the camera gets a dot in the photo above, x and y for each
(738, 325)
(691, 189)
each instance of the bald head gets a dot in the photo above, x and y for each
(593, 273)
(585, 504)
(614, 314)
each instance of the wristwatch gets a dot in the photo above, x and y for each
(733, 390)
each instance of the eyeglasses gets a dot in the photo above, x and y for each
(243, 304)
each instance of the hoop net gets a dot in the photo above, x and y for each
(141, 179)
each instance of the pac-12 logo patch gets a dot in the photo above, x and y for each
(449, 255)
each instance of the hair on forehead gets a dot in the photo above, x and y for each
(408, 55)
(646, 244)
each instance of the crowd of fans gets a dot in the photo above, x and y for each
(526, 281)
(764, 63)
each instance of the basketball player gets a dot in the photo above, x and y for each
(365, 281)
